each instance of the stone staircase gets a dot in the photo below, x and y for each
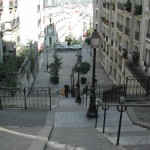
(131, 137)
(74, 131)
(78, 139)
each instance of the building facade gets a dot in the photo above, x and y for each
(21, 23)
(54, 23)
(124, 27)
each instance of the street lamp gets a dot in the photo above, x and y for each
(95, 39)
(47, 57)
(78, 98)
(72, 84)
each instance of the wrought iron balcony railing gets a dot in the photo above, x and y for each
(139, 74)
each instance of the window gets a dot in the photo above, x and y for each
(96, 14)
(49, 30)
(50, 41)
(148, 26)
(147, 56)
(96, 26)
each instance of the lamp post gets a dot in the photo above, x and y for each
(91, 113)
(47, 57)
(72, 84)
(78, 98)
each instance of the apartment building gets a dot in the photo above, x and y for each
(54, 23)
(124, 27)
(21, 23)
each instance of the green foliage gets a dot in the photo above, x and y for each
(138, 10)
(83, 69)
(69, 41)
(11, 83)
(11, 65)
(88, 41)
(89, 32)
(75, 42)
(55, 66)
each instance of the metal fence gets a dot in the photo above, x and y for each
(25, 98)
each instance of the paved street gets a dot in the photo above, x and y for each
(66, 125)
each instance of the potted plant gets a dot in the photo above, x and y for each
(55, 66)
(83, 69)
(12, 84)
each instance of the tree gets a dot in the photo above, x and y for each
(55, 66)
(83, 69)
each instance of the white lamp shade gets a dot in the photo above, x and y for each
(95, 39)
(78, 64)
(95, 42)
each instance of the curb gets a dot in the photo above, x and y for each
(135, 120)
(42, 138)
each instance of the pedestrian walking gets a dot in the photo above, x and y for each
(66, 90)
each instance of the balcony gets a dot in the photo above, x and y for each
(104, 5)
(105, 21)
(6, 26)
(16, 3)
(119, 48)
(106, 38)
(10, 25)
(112, 24)
(1, 5)
(148, 35)
(15, 22)
(139, 74)
(137, 35)
(120, 26)
(113, 7)
(127, 31)
(138, 10)
(120, 6)
(103, 34)
(112, 42)
(107, 5)
(128, 6)
(11, 4)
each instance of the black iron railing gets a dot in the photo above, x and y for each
(25, 98)
(140, 75)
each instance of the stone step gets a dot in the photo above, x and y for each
(130, 140)
(137, 147)
(123, 128)
(78, 139)
(129, 135)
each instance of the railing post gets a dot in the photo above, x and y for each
(83, 98)
(96, 116)
(105, 108)
(25, 103)
(148, 84)
(50, 99)
(99, 91)
(86, 100)
(1, 107)
(123, 108)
